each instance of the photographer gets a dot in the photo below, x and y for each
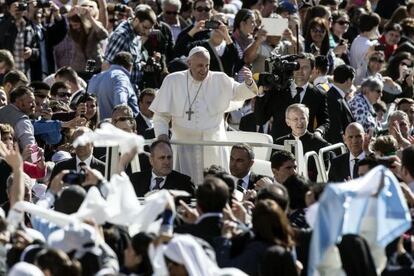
(17, 35)
(297, 89)
(50, 29)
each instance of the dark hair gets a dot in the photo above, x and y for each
(380, 106)
(393, 70)
(309, 57)
(339, 14)
(386, 144)
(70, 199)
(212, 195)
(404, 101)
(297, 187)
(57, 262)
(123, 59)
(140, 243)
(68, 74)
(280, 157)
(407, 26)
(342, 73)
(315, 11)
(398, 15)
(276, 192)
(146, 92)
(368, 21)
(242, 15)
(407, 160)
(246, 147)
(20, 92)
(159, 142)
(369, 161)
(145, 13)
(270, 224)
(248, 4)
(322, 23)
(14, 76)
(317, 189)
(393, 27)
(322, 64)
(39, 85)
(56, 86)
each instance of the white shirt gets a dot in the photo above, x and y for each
(87, 162)
(148, 121)
(359, 49)
(352, 162)
(245, 183)
(153, 182)
(293, 91)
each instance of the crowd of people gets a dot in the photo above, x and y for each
(73, 73)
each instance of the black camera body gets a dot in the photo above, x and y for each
(74, 177)
(212, 24)
(279, 71)
(21, 6)
(152, 66)
(43, 4)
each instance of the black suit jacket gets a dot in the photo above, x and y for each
(248, 123)
(339, 168)
(207, 229)
(274, 103)
(253, 178)
(175, 181)
(142, 127)
(70, 164)
(310, 142)
(340, 116)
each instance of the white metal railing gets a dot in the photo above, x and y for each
(324, 150)
(321, 173)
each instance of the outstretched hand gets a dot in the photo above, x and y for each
(12, 156)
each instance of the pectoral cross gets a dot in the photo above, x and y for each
(189, 113)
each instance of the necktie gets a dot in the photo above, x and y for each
(355, 169)
(299, 91)
(240, 186)
(158, 181)
(80, 165)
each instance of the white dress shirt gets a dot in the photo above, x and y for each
(293, 90)
(352, 161)
(153, 182)
(87, 162)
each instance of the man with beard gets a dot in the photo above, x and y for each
(128, 37)
(17, 112)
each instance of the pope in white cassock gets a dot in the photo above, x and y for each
(194, 101)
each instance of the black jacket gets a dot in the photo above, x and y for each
(184, 40)
(143, 129)
(274, 103)
(340, 170)
(175, 181)
(70, 164)
(340, 116)
(207, 229)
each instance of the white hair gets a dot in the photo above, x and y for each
(176, 3)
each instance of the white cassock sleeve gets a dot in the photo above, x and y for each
(161, 123)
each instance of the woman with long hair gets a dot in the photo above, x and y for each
(400, 70)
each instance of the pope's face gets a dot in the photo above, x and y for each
(199, 65)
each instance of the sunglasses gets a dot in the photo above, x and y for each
(341, 22)
(123, 118)
(201, 9)
(320, 31)
(64, 94)
(377, 60)
(171, 12)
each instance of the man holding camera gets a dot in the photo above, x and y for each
(128, 36)
(274, 103)
(16, 35)
(83, 157)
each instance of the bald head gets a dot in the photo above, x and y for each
(354, 138)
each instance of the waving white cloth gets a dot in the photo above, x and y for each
(108, 136)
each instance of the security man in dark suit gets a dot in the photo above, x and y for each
(241, 162)
(274, 103)
(340, 115)
(345, 166)
(144, 118)
(162, 175)
(83, 157)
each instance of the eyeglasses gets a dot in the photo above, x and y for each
(377, 60)
(171, 12)
(342, 22)
(64, 94)
(320, 31)
(201, 9)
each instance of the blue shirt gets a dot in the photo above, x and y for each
(113, 87)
